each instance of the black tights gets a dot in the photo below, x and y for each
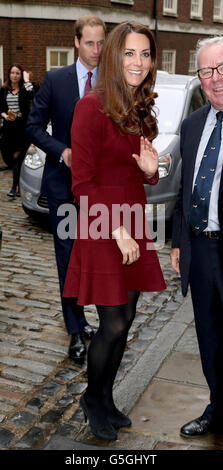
(17, 163)
(107, 348)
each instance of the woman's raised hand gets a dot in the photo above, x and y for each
(148, 158)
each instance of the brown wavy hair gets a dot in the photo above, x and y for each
(8, 83)
(132, 111)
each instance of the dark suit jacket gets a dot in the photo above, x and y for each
(191, 132)
(55, 102)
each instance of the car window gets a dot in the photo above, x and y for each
(169, 106)
(197, 99)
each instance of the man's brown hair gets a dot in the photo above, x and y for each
(87, 20)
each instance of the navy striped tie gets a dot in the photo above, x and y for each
(203, 185)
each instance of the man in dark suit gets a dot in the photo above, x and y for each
(197, 240)
(55, 102)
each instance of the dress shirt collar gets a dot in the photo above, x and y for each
(82, 71)
(212, 115)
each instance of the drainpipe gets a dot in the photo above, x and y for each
(156, 19)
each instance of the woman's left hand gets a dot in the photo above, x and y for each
(148, 158)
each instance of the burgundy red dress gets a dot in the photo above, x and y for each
(105, 176)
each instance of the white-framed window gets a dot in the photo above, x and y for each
(57, 57)
(125, 2)
(169, 61)
(196, 9)
(1, 66)
(192, 63)
(218, 10)
(170, 7)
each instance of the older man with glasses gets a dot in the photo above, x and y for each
(197, 242)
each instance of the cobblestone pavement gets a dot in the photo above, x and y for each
(39, 386)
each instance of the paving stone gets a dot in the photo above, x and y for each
(67, 374)
(172, 306)
(156, 323)
(22, 374)
(65, 401)
(147, 333)
(52, 416)
(36, 367)
(77, 388)
(47, 346)
(36, 403)
(9, 348)
(50, 388)
(130, 355)
(63, 443)
(6, 437)
(9, 395)
(14, 384)
(33, 437)
(138, 344)
(22, 418)
(141, 318)
(66, 430)
(4, 407)
(32, 303)
(78, 416)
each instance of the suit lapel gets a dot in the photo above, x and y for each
(72, 86)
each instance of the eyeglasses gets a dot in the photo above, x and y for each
(207, 72)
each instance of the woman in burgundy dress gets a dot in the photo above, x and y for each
(113, 257)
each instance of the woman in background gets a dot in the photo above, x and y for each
(15, 99)
(112, 156)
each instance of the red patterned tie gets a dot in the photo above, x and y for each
(88, 83)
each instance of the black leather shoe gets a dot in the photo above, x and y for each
(196, 427)
(88, 331)
(77, 348)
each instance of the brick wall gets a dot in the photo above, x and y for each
(25, 42)
(183, 12)
(182, 44)
(139, 5)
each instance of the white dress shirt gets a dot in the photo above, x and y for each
(82, 76)
(213, 222)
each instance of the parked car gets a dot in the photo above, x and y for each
(178, 96)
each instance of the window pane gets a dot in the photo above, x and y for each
(63, 58)
(192, 62)
(168, 4)
(168, 61)
(53, 58)
(195, 6)
(217, 8)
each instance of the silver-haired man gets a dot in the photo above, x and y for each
(197, 242)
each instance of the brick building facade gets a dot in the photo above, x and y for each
(39, 34)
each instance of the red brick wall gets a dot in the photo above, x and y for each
(182, 44)
(183, 12)
(28, 39)
(139, 5)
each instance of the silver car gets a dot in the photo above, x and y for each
(178, 96)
